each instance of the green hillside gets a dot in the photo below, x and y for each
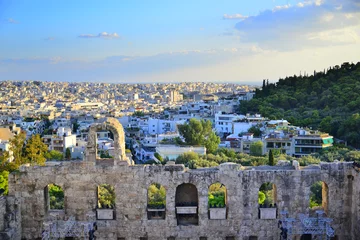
(328, 101)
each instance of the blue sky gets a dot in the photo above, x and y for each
(174, 41)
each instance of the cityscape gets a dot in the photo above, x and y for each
(183, 120)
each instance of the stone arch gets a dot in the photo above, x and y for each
(187, 203)
(112, 125)
(315, 203)
(186, 195)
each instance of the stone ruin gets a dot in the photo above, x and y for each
(25, 213)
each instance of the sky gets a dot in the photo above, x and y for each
(147, 41)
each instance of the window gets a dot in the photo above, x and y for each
(319, 196)
(267, 201)
(106, 202)
(54, 196)
(156, 202)
(217, 201)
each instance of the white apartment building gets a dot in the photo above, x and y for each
(224, 122)
(62, 140)
(161, 126)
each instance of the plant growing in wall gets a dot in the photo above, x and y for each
(156, 196)
(216, 196)
(106, 196)
(56, 197)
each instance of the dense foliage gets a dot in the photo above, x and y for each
(267, 195)
(217, 195)
(329, 101)
(316, 195)
(156, 196)
(56, 197)
(106, 196)
(200, 133)
(223, 155)
(54, 155)
(4, 188)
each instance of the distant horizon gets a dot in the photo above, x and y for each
(154, 41)
(218, 82)
(247, 83)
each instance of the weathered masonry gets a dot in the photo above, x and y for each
(186, 212)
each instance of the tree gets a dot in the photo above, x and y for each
(68, 154)
(200, 133)
(56, 197)
(17, 148)
(158, 156)
(156, 196)
(106, 196)
(35, 150)
(54, 155)
(255, 130)
(316, 194)
(256, 148)
(271, 158)
(212, 143)
(75, 127)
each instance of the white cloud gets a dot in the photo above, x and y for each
(327, 17)
(100, 35)
(235, 16)
(339, 7)
(278, 8)
(338, 36)
(296, 27)
(319, 2)
(304, 4)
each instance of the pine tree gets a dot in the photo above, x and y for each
(35, 150)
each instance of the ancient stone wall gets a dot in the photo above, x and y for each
(10, 219)
(81, 179)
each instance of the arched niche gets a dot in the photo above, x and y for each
(156, 201)
(319, 197)
(117, 131)
(267, 198)
(105, 209)
(217, 201)
(187, 202)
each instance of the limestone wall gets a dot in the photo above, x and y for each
(2, 213)
(80, 180)
(10, 219)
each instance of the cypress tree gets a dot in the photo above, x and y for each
(271, 158)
